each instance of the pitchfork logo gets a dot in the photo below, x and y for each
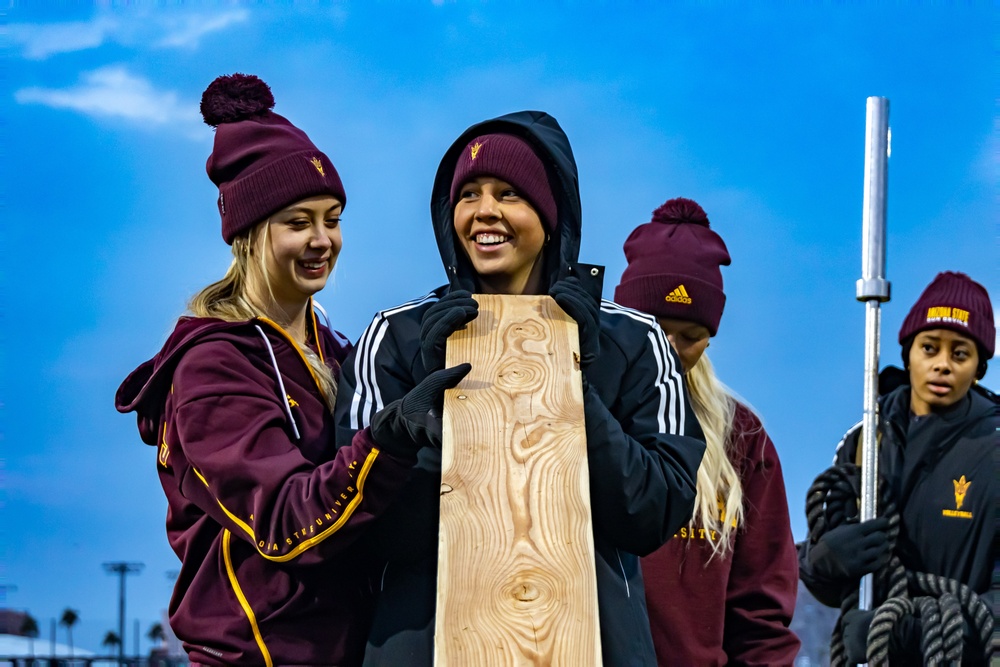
(316, 162)
(961, 488)
(474, 150)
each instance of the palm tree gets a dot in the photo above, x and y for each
(69, 619)
(111, 640)
(156, 633)
(29, 629)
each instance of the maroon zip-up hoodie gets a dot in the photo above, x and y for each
(263, 509)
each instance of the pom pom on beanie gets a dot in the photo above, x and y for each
(235, 97)
(674, 266)
(678, 210)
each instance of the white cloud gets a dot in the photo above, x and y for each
(112, 92)
(187, 31)
(161, 30)
(40, 41)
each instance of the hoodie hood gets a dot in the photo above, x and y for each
(550, 143)
(145, 390)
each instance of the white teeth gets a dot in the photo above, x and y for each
(490, 239)
(314, 265)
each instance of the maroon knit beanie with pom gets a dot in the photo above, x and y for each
(261, 162)
(673, 266)
(511, 159)
(957, 302)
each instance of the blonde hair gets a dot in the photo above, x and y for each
(718, 504)
(231, 299)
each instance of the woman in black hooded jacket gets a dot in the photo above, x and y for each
(507, 217)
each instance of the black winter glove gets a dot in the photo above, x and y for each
(904, 642)
(851, 550)
(854, 629)
(582, 307)
(452, 312)
(408, 424)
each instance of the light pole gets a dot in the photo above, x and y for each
(122, 569)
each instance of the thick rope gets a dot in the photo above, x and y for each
(942, 605)
(887, 615)
(974, 609)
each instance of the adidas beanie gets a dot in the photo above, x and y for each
(674, 266)
(956, 302)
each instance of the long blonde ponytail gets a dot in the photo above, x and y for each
(719, 498)
(229, 299)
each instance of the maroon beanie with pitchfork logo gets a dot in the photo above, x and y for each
(673, 266)
(261, 163)
(956, 302)
(511, 159)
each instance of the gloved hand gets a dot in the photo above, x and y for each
(582, 307)
(854, 629)
(452, 311)
(407, 424)
(851, 550)
(904, 643)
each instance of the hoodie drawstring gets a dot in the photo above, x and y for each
(281, 382)
(322, 311)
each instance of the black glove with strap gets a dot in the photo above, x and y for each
(407, 424)
(851, 550)
(586, 310)
(452, 312)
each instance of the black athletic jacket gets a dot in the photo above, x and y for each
(642, 469)
(941, 469)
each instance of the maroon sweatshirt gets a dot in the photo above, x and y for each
(263, 509)
(734, 610)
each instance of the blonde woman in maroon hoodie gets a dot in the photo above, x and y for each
(722, 591)
(239, 405)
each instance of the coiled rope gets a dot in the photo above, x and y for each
(938, 602)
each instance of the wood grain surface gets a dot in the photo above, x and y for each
(516, 578)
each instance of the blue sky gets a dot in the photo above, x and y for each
(755, 111)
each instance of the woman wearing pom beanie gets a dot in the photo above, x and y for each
(262, 508)
(506, 213)
(722, 591)
(936, 527)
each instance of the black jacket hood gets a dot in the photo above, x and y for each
(551, 144)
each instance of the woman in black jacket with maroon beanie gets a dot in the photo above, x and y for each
(506, 213)
(938, 497)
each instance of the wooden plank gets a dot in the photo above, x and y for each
(516, 574)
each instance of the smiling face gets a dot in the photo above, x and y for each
(502, 235)
(300, 247)
(943, 364)
(689, 339)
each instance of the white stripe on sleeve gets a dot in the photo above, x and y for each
(669, 380)
(367, 399)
